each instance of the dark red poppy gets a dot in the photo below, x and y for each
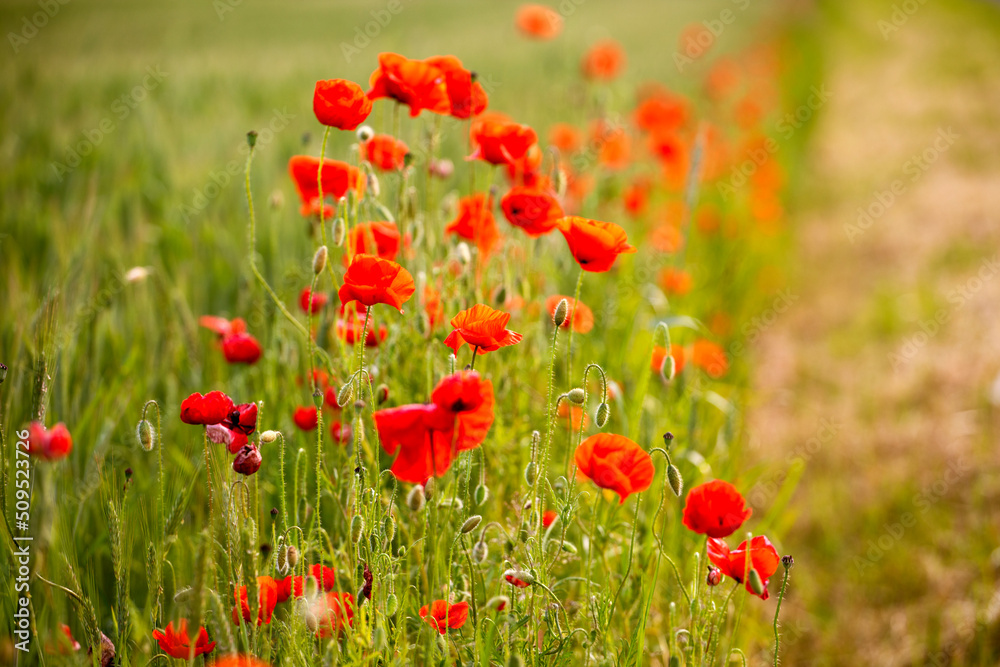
(334, 612)
(710, 357)
(581, 317)
(212, 408)
(310, 302)
(241, 349)
(466, 95)
(498, 140)
(416, 83)
(242, 418)
(379, 237)
(306, 418)
(614, 462)
(223, 327)
(534, 210)
(715, 509)
(386, 152)
(49, 444)
(248, 460)
(341, 104)
(429, 435)
(763, 558)
(604, 61)
(267, 598)
(338, 179)
(595, 245)
(475, 222)
(370, 280)
(481, 327)
(177, 644)
(538, 21)
(441, 616)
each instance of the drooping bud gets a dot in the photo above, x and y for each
(562, 312)
(471, 523)
(281, 561)
(365, 133)
(481, 495)
(267, 437)
(480, 551)
(144, 433)
(519, 578)
(373, 185)
(454, 503)
(416, 498)
(339, 232)
(756, 584)
(576, 395)
(675, 479)
(319, 260)
(530, 473)
(345, 394)
(389, 527)
(357, 525)
(293, 556)
(429, 487)
(603, 412)
(381, 394)
(714, 577)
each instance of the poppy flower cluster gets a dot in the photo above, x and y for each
(226, 423)
(177, 644)
(238, 346)
(440, 85)
(49, 444)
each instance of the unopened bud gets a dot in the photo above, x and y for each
(267, 437)
(282, 559)
(499, 602)
(391, 604)
(319, 260)
(339, 232)
(389, 527)
(144, 433)
(562, 312)
(756, 584)
(454, 503)
(603, 412)
(373, 185)
(429, 487)
(787, 562)
(576, 395)
(661, 335)
(675, 479)
(357, 525)
(381, 394)
(714, 577)
(481, 495)
(464, 254)
(293, 556)
(480, 551)
(471, 523)
(530, 473)
(365, 133)
(669, 368)
(416, 498)
(252, 138)
(311, 621)
(519, 578)
(345, 394)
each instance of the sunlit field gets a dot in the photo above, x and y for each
(401, 332)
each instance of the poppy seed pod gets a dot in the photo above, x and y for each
(787, 562)
(756, 583)
(365, 133)
(144, 433)
(319, 260)
(561, 313)
(471, 523)
(675, 479)
(576, 395)
(252, 138)
(603, 412)
(416, 498)
(3, 372)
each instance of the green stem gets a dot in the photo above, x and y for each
(571, 316)
(781, 596)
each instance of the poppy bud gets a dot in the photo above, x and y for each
(373, 185)
(669, 368)
(293, 556)
(359, 404)
(128, 473)
(530, 473)
(787, 562)
(499, 602)
(311, 621)
(603, 412)
(319, 260)
(455, 503)
(569, 547)
(345, 394)
(282, 559)
(389, 526)
(482, 494)
(144, 433)
(248, 461)
(661, 336)
(381, 394)
(391, 604)
(576, 395)
(519, 578)
(365, 133)
(267, 437)
(756, 584)
(714, 577)
(429, 487)
(401, 552)
(471, 523)
(357, 525)
(339, 232)
(675, 479)
(480, 551)
(415, 499)
(274, 511)
(561, 313)
(252, 138)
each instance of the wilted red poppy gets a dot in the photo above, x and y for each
(338, 178)
(334, 612)
(223, 327)
(709, 357)
(534, 210)
(763, 558)
(429, 435)
(341, 104)
(660, 355)
(614, 462)
(349, 331)
(267, 590)
(370, 280)
(306, 417)
(483, 328)
(416, 83)
(675, 281)
(475, 222)
(565, 137)
(49, 444)
(212, 408)
(386, 152)
(379, 237)
(581, 316)
(177, 644)
(715, 509)
(595, 245)
(538, 21)
(549, 517)
(311, 303)
(241, 349)
(441, 616)
(466, 95)
(248, 460)
(498, 140)
(604, 61)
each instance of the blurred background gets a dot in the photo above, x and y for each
(874, 387)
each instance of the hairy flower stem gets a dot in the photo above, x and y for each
(208, 479)
(572, 316)
(281, 471)
(777, 610)
(543, 461)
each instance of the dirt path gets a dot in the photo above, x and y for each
(880, 377)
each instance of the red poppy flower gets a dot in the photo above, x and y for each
(481, 327)
(338, 178)
(660, 354)
(675, 281)
(349, 331)
(532, 209)
(715, 509)
(549, 518)
(239, 661)
(574, 415)
(241, 349)
(212, 408)
(581, 316)
(223, 327)
(341, 432)
(565, 137)
(416, 83)
(267, 589)
(763, 558)
(595, 245)
(662, 111)
(498, 140)
(49, 444)
(666, 238)
(511, 578)
(310, 302)
(341, 104)
(306, 418)
(370, 280)
(386, 152)
(177, 644)
(334, 611)
(612, 143)
(441, 616)
(475, 222)
(466, 95)
(73, 644)
(636, 196)
(538, 21)
(380, 238)
(429, 435)
(615, 462)
(326, 577)
(604, 61)
(710, 357)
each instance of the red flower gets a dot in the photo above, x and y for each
(549, 517)
(310, 302)
(248, 460)
(341, 104)
(73, 644)
(660, 355)
(595, 245)
(565, 137)
(615, 462)
(636, 196)
(326, 577)
(466, 95)
(715, 509)
(428, 436)
(239, 661)
(581, 316)
(498, 140)
(532, 209)
(380, 238)
(49, 444)
(338, 178)
(661, 112)
(415, 83)
(675, 281)
(350, 331)
(386, 152)
(511, 579)
(709, 357)
(267, 589)
(306, 418)
(341, 432)
(475, 222)
(242, 418)
(604, 61)
(538, 21)
(223, 327)
(177, 644)
(372, 280)
(334, 611)
(481, 327)
(763, 558)
(613, 145)
(212, 408)
(241, 349)
(441, 616)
